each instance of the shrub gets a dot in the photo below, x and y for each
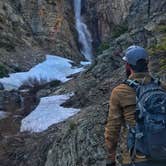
(3, 71)
(103, 46)
(161, 28)
(160, 47)
(72, 125)
(33, 82)
(119, 30)
(159, 51)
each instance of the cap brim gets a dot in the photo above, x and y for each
(124, 58)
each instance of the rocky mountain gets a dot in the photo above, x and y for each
(114, 25)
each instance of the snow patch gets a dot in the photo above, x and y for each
(47, 113)
(53, 68)
(85, 63)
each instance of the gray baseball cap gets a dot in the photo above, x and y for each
(135, 53)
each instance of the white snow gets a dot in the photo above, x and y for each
(85, 63)
(53, 68)
(47, 113)
(3, 115)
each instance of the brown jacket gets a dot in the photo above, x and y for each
(122, 111)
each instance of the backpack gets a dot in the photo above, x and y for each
(149, 134)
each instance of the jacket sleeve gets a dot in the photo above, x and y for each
(163, 85)
(113, 126)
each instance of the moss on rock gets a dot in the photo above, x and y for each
(158, 52)
(3, 71)
(161, 28)
(163, 64)
(103, 46)
(160, 47)
(119, 30)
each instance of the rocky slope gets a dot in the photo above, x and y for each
(82, 143)
(79, 141)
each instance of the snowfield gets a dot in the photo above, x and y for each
(47, 113)
(53, 68)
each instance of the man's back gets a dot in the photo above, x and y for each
(122, 112)
(123, 105)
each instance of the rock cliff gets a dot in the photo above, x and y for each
(102, 16)
(30, 29)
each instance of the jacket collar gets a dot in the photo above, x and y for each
(141, 77)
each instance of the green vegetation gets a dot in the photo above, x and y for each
(116, 32)
(119, 30)
(159, 50)
(160, 47)
(161, 28)
(3, 71)
(163, 64)
(72, 125)
(103, 46)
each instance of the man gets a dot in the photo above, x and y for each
(123, 104)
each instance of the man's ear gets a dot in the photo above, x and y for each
(128, 70)
(131, 69)
(128, 67)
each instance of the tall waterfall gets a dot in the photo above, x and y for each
(85, 38)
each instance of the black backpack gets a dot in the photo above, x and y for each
(149, 134)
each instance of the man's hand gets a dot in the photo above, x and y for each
(113, 164)
(110, 163)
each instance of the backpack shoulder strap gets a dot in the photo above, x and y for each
(132, 83)
(156, 81)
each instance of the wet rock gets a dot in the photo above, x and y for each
(28, 101)
(1, 100)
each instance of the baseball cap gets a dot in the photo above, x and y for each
(135, 53)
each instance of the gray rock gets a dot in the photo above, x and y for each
(1, 86)
(143, 11)
(101, 16)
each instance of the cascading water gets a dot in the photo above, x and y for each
(85, 38)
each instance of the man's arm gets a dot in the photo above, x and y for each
(163, 85)
(113, 126)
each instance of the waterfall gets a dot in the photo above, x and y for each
(85, 38)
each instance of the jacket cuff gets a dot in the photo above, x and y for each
(110, 163)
